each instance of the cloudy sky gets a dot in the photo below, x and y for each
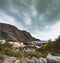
(39, 17)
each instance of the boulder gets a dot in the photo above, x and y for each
(42, 60)
(53, 59)
(11, 60)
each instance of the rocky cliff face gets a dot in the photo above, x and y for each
(11, 33)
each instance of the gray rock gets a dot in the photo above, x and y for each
(11, 60)
(53, 59)
(42, 60)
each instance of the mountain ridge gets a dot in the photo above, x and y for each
(12, 33)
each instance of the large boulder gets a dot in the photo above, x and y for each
(53, 59)
(11, 60)
(42, 60)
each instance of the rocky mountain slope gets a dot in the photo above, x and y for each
(11, 33)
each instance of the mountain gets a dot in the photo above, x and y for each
(12, 33)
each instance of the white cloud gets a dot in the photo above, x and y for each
(5, 18)
(41, 17)
(51, 33)
(33, 10)
(27, 19)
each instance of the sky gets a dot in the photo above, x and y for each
(39, 17)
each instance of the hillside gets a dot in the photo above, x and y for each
(11, 33)
(52, 47)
